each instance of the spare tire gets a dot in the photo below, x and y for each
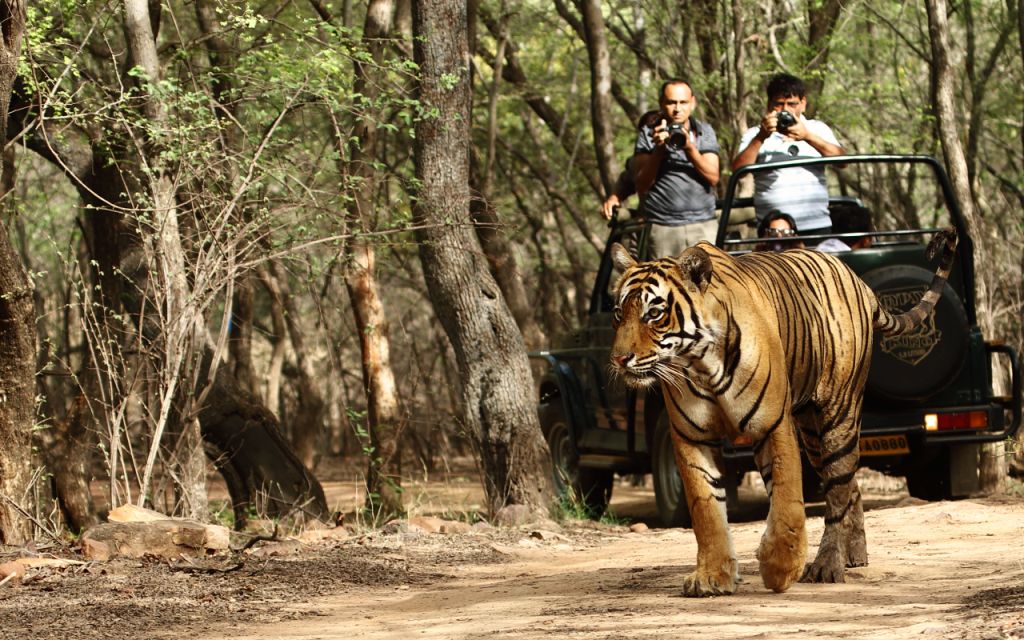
(921, 363)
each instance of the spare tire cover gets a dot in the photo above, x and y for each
(922, 362)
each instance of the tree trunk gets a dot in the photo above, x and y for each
(182, 325)
(272, 389)
(222, 86)
(71, 465)
(259, 467)
(600, 93)
(384, 470)
(17, 326)
(821, 18)
(993, 469)
(384, 467)
(710, 41)
(489, 227)
(496, 398)
(307, 424)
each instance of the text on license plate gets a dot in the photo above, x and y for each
(883, 445)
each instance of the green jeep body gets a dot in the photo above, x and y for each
(929, 403)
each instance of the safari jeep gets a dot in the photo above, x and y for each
(929, 402)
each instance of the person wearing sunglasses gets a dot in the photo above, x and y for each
(777, 229)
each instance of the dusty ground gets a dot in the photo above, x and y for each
(940, 570)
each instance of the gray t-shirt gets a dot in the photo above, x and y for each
(679, 195)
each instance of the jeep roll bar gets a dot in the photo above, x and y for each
(965, 251)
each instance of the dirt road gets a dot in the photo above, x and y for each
(938, 570)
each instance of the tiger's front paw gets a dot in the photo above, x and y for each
(702, 583)
(781, 558)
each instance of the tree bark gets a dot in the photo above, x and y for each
(600, 93)
(496, 385)
(384, 470)
(821, 18)
(222, 86)
(384, 421)
(279, 339)
(17, 325)
(993, 462)
(489, 228)
(182, 325)
(70, 461)
(307, 424)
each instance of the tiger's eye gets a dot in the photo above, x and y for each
(654, 314)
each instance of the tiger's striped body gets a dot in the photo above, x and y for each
(765, 345)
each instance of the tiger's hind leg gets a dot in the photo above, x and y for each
(783, 547)
(843, 543)
(856, 541)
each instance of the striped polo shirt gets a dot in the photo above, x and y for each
(801, 192)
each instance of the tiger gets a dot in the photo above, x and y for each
(767, 345)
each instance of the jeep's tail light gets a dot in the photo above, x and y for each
(965, 420)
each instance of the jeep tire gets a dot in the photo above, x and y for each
(673, 510)
(590, 489)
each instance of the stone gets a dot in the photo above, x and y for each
(162, 538)
(426, 524)
(515, 515)
(132, 513)
(454, 526)
(12, 572)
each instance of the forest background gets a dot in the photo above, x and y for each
(291, 220)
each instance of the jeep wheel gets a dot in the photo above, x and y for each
(929, 476)
(929, 483)
(668, 486)
(590, 489)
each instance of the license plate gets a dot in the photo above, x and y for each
(883, 445)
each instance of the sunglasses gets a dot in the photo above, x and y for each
(779, 233)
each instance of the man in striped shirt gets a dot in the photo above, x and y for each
(800, 192)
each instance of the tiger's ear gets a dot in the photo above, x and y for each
(621, 258)
(695, 265)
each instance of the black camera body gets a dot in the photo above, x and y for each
(676, 135)
(784, 121)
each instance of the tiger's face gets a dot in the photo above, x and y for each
(660, 331)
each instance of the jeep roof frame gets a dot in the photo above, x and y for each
(965, 250)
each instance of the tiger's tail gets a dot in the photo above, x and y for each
(890, 324)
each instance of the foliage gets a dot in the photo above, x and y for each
(249, 143)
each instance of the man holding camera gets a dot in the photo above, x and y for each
(785, 134)
(676, 169)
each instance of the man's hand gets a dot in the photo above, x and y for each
(660, 133)
(797, 131)
(769, 125)
(609, 206)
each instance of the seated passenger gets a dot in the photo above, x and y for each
(848, 217)
(774, 226)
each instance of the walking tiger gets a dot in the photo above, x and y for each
(767, 345)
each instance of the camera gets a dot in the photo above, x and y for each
(676, 135)
(784, 121)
